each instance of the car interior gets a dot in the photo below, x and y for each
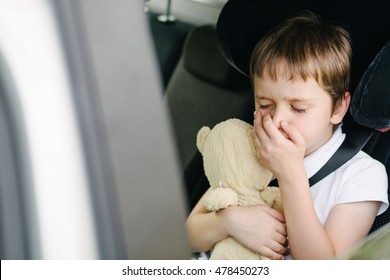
(79, 90)
(208, 84)
(101, 102)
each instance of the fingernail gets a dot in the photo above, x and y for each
(254, 114)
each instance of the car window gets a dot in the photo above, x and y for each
(13, 173)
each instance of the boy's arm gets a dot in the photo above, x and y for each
(346, 224)
(259, 228)
(308, 239)
(350, 222)
(204, 228)
(284, 157)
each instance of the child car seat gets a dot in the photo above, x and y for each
(203, 90)
(370, 107)
(243, 22)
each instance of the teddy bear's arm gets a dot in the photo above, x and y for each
(219, 198)
(271, 196)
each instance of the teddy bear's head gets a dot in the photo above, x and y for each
(229, 155)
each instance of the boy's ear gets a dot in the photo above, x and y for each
(341, 109)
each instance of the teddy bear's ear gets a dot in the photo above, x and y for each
(201, 138)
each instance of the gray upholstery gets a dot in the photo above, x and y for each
(204, 90)
(203, 59)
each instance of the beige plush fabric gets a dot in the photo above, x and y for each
(235, 176)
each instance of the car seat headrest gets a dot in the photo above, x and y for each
(203, 58)
(242, 23)
(370, 105)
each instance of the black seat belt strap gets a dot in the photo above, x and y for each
(352, 144)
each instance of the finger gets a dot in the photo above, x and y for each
(269, 253)
(277, 247)
(259, 133)
(255, 128)
(257, 121)
(275, 214)
(270, 128)
(258, 143)
(265, 128)
(293, 133)
(281, 229)
(280, 238)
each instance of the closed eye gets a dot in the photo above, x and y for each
(265, 106)
(297, 110)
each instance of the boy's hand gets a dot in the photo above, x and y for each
(259, 228)
(278, 149)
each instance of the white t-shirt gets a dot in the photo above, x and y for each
(362, 178)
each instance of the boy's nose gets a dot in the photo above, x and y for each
(277, 117)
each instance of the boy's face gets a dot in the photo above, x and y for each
(303, 104)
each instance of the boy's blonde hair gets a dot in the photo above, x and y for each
(310, 47)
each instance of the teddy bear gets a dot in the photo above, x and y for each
(236, 178)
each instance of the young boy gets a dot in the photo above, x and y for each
(300, 75)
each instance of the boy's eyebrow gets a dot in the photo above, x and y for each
(289, 99)
(298, 99)
(261, 97)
